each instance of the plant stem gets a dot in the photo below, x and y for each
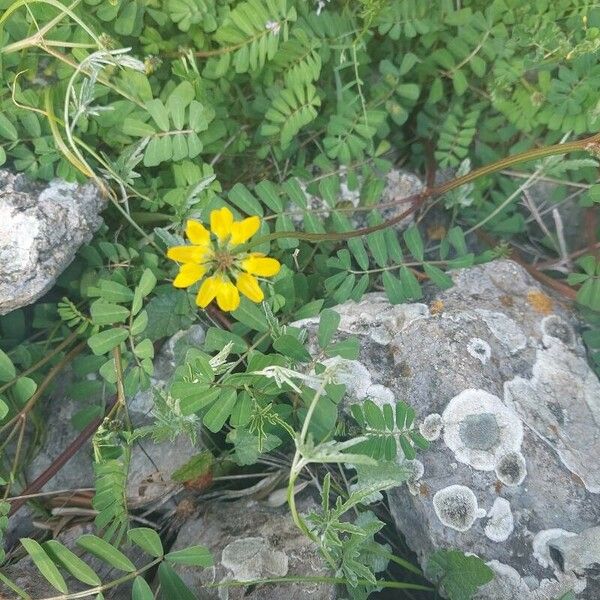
(590, 144)
(298, 465)
(398, 585)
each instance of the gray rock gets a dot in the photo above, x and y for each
(251, 540)
(151, 463)
(41, 228)
(497, 374)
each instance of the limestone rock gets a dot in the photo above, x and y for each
(151, 464)
(251, 540)
(497, 374)
(41, 228)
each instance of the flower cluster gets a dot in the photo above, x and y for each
(224, 273)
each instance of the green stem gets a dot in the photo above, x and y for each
(398, 585)
(298, 465)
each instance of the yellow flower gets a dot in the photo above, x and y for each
(225, 274)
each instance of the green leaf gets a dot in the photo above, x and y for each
(23, 389)
(441, 279)
(194, 556)
(147, 539)
(348, 349)
(3, 409)
(219, 412)
(414, 242)
(71, 562)
(145, 349)
(410, 284)
(288, 345)
(159, 113)
(217, 339)
(377, 245)
(249, 314)
(106, 313)
(7, 129)
(240, 195)
(171, 584)
(7, 369)
(140, 323)
(112, 291)
(392, 288)
(328, 324)
(309, 310)
(269, 194)
(147, 282)
(459, 575)
(357, 248)
(105, 341)
(141, 590)
(44, 564)
(105, 552)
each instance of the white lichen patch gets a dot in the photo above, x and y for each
(253, 558)
(456, 507)
(580, 552)
(352, 373)
(416, 473)
(504, 329)
(479, 349)
(508, 584)
(560, 404)
(501, 522)
(511, 469)
(480, 429)
(544, 540)
(431, 427)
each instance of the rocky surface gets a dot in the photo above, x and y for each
(251, 540)
(41, 228)
(496, 372)
(152, 463)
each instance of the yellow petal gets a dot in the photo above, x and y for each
(207, 291)
(263, 266)
(188, 274)
(220, 223)
(228, 297)
(187, 254)
(248, 285)
(242, 231)
(197, 233)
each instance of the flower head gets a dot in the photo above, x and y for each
(210, 258)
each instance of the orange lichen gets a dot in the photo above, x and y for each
(540, 302)
(436, 307)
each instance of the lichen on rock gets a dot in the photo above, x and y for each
(480, 429)
(41, 228)
(521, 427)
(456, 507)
